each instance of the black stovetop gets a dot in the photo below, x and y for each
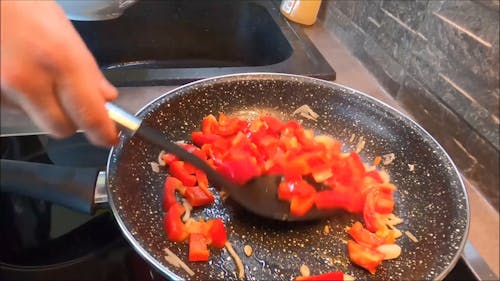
(41, 241)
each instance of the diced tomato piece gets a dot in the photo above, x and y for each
(171, 185)
(273, 123)
(364, 256)
(289, 143)
(239, 170)
(375, 175)
(332, 199)
(291, 125)
(179, 171)
(300, 188)
(296, 168)
(209, 124)
(384, 205)
(321, 173)
(202, 180)
(257, 126)
(304, 189)
(195, 150)
(173, 225)
(216, 233)
(386, 188)
(223, 118)
(198, 226)
(356, 168)
(198, 250)
(285, 190)
(365, 237)
(197, 197)
(329, 276)
(169, 158)
(200, 138)
(387, 234)
(301, 205)
(373, 219)
(230, 126)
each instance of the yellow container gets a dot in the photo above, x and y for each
(301, 11)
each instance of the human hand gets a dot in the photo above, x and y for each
(48, 72)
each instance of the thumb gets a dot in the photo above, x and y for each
(107, 90)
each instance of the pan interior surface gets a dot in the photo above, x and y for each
(431, 198)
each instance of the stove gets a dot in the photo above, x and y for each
(41, 241)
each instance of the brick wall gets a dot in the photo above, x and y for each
(440, 60)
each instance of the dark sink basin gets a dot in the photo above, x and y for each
(171, 42)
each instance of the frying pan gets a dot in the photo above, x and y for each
(431, 197)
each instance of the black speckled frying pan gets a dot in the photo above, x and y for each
(431, 197)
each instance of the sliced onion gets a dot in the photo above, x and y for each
(304, 271)
(388, 158)
(348, 277)
(306, 112)
(248, 250)
(187, 208)
(160, 158)
(360, 145)
(390, 251)
(155, 167)
(397, 232)
(174, 260)
(411, 236)
(392, 219)
(237, 260)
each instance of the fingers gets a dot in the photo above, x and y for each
(83, 90)
(51, 74)
(86, 109)
(37, 99)
(108, 91)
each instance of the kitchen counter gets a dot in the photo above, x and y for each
(484, 228)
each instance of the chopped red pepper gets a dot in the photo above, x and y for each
(365, 237)
(171, 185)
(364, 256)
(242, 149)
(239, 169)
(300, 188)
(173, 225)
(197, 197)
(198, 250)
(200, 138)
(178, 170)
(339, 198)
(209, 124)
(274, 124)
(169, 158)
(373, 219)
(216, 233)
(301, 205)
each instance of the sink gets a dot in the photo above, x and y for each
(177, 41)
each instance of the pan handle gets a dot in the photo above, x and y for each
(80, 189)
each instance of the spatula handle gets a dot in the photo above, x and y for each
(123, 118)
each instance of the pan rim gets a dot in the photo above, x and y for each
(165, 270)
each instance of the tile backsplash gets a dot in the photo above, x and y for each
(440, 60)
